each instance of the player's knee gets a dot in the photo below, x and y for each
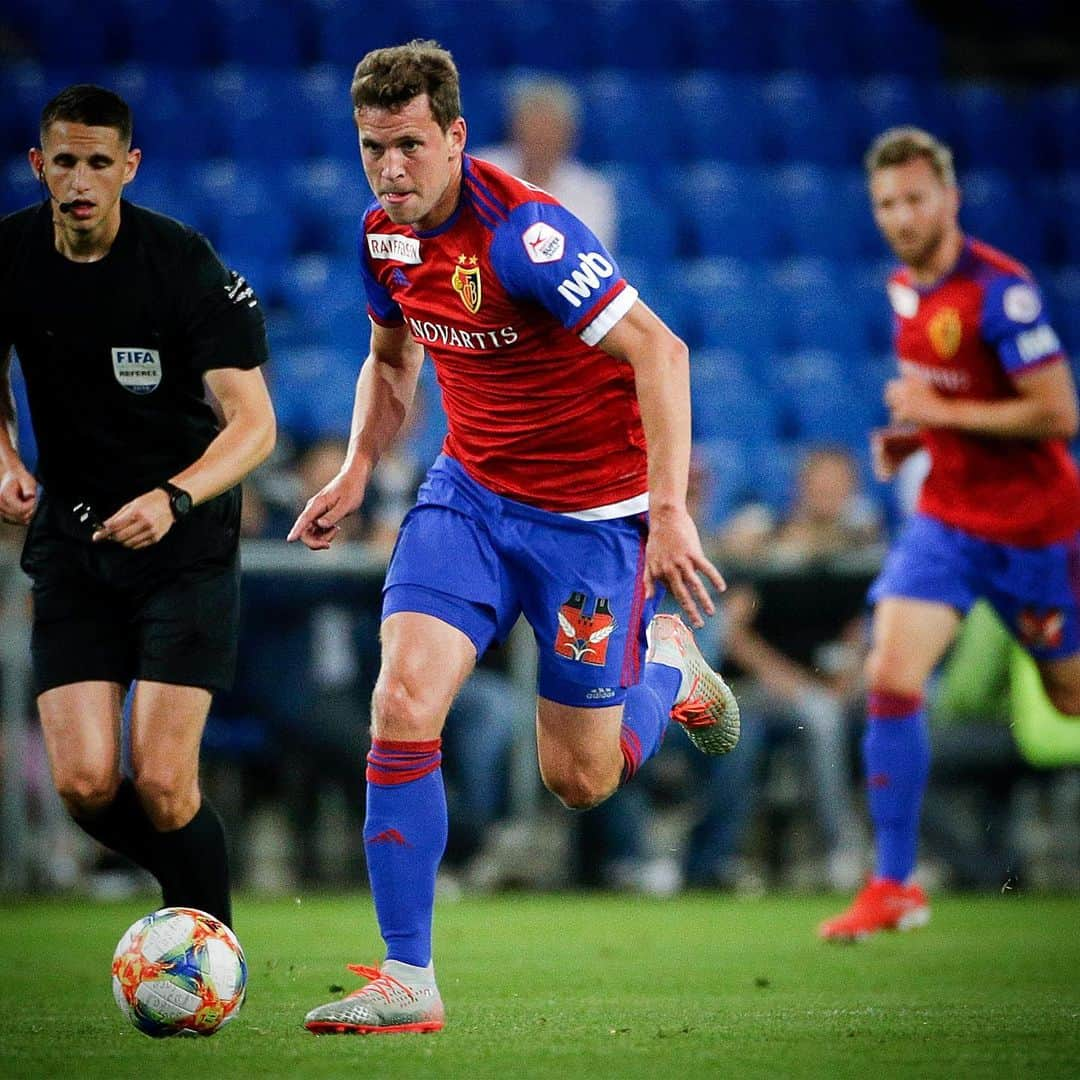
(578, 789)
(887, 674)
(85, 790)
(400, 711)
(169, 799)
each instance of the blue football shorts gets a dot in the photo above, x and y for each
(477, 561)
(1034, 590)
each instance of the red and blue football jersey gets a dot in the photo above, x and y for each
(509, 297)
(971, 336)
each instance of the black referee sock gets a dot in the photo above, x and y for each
(124, 827)
(193, 865)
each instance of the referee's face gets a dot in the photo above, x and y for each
(85, 168)
(412, 165)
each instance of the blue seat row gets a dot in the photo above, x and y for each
(245, 111)
(821, 36)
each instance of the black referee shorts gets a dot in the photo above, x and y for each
(168, 613)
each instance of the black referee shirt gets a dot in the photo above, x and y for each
(113, 352)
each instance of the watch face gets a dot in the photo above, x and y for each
(181, 503)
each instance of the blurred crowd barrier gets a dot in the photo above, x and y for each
(284, 757)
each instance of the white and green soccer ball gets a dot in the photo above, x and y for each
(179, 970)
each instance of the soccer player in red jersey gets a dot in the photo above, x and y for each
(560, 494)
(985, 387)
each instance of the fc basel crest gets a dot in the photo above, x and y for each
(584, 637)
(1041, 629)
(466, 282)
(137, 370)
(945, 331)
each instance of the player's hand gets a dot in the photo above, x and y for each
(317, 525)
(18, 495)
(140, 523)
(890, 447)
(913, 401)
(673, 556)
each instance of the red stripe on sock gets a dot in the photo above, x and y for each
(884, 705)
(630, 747)
(390, 762)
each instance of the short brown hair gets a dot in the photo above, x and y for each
(91, 105)
(899, 145)
(390, 78)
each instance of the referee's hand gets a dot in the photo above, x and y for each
(18, 495)
(140, 523)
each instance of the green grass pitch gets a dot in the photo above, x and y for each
(573, 986)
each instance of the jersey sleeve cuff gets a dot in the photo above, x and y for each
(607, 318)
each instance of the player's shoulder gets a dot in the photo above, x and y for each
(19, 227)
(989, 264)
(161, 231)
(499, 190)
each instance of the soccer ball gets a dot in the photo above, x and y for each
(179, 970)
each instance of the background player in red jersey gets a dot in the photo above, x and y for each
(544, 502)
(985, 387)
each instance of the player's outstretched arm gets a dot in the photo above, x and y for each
(18, 488)
(245, 439)
(673, 555)
(384, 394)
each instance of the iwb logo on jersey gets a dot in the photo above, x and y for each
(584, 637)
(405, 249)
(543, 243)
(137, 370)
(581, 283)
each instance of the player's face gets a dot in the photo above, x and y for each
(412, 165)
(87, 167)
(914, 209)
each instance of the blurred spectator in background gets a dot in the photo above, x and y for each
(795, 641)
(545, 115)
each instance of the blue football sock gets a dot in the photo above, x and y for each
(646, 714)
(404, 838)
(896, 755)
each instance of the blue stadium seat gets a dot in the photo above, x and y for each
(728, 305)
(726, 479)
(717, 115)
(263, 32)
(865, 298)
(468, 30)
(807, 120)
(814, 311)
(647, 225)
(327, 296)
(170, 33)
(885, 101)
(322, 98)
(326, 196)
(727, 404)
(346, 30)
(1067, 215)
(817, 395)
(989, 199)
(1063, 292)
(313, 389)
(252, 105)
(159, 186)
(813, 216)
(63, 33)
(811, 36)
(20, 187)
(1055, 113)
(735, 36)
(894, 36)
(542, 35)
(988, 129)
(640, 35)
(626, 118)
(772, 469)
(723, 210)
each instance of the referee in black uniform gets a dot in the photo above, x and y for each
(128, 328)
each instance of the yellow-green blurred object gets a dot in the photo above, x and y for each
(989, 678)
(1046, 738)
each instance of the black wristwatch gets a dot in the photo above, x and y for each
(179, 500)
